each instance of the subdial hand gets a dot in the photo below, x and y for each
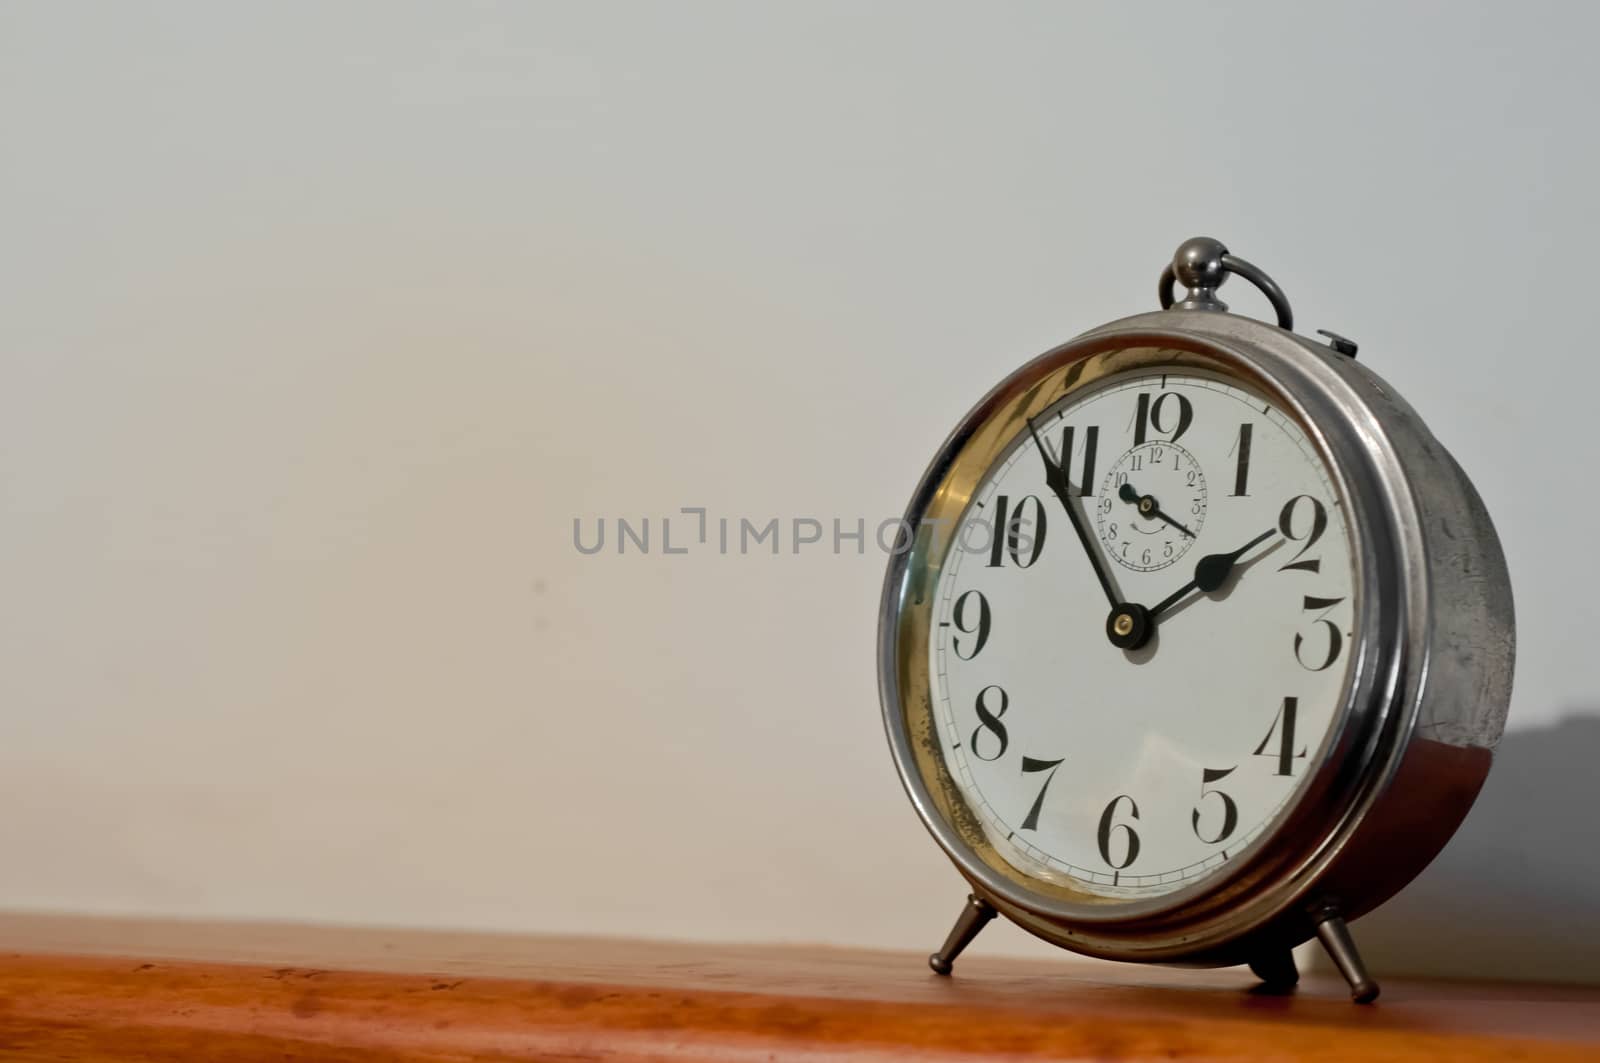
(1148, 506)
(1210, 573)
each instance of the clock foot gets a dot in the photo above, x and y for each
(975, 915)
(1335, 937)
(1276, 970)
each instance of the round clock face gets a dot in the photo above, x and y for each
(1133, 673)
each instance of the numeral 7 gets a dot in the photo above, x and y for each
(1030, 765)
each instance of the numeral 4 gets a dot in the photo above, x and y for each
(1283, 727)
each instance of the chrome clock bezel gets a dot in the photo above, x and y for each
(1363, 436)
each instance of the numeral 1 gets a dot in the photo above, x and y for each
(1241, 470)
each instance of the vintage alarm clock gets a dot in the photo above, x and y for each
(1202, 643)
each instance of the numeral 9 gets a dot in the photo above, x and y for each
(980, 627)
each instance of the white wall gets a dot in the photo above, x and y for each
(320, 323)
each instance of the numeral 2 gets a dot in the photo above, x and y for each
(1319, 524)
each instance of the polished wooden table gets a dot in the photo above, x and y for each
(76, 989)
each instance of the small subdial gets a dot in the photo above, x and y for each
(1151, 506)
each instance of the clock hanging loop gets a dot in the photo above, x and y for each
(1201, 264)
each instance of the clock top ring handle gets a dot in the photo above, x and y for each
(1202, 264)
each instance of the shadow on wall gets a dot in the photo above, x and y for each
(1516, 893)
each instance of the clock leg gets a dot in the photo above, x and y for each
(975, 915)
(1276, 970)
(1335, 937)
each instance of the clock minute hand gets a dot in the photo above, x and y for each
(1210, 573)
(1055, 477)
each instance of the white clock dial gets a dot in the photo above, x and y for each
(1136, 772)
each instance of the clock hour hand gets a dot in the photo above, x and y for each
(1148, 506)
(1210, 573)
(1055, 477)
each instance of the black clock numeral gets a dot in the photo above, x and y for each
(1131, 851)
(980, 627)
(1030, 765)
(1091, 444)
(1230, 811)
(1012, 535)
(1308, 537)
(1335, 637)
(1283, 726)
(989, 723)
(1241, 455)
(1148, 415)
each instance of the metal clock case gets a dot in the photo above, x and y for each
(1409, 737)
